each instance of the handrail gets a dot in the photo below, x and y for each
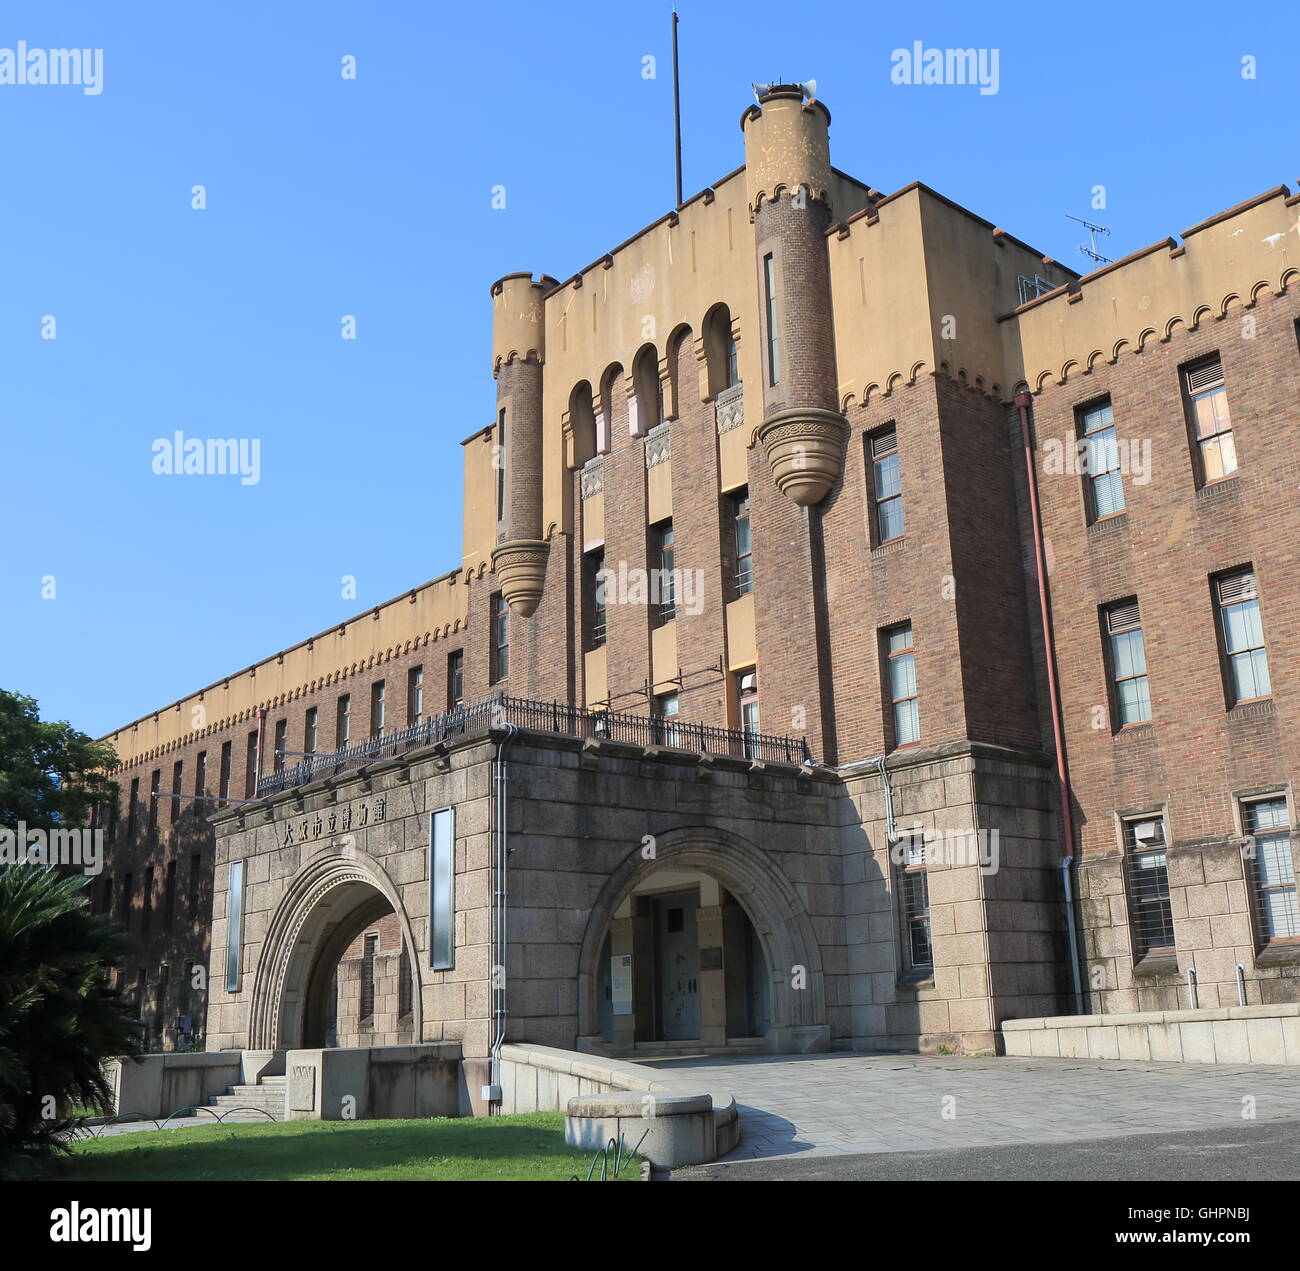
(546, 717)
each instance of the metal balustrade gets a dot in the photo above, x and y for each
(542, 717)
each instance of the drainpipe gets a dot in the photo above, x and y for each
(498, 942)
(1241, 985)
(257, 758)
(891, 830)
(1192, 993)
(1053, 691)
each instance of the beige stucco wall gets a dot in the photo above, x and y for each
(1224, 262)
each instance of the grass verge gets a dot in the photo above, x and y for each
(528, 1147)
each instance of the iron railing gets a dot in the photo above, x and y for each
(543, 717)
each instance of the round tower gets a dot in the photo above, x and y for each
(788, 179)
(518, 355)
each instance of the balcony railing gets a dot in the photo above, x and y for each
(542, 717)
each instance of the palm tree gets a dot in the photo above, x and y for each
(59, 1019)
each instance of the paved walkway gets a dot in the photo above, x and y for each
(827, 1105)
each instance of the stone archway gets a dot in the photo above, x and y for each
(773, 907)
(328, 893)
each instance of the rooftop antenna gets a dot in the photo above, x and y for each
(677, 111)
(1093, 231)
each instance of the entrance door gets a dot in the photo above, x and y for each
(678, 952)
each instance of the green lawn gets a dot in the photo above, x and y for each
(528, 1148)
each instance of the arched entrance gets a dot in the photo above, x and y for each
(706, 942)
(338, 966)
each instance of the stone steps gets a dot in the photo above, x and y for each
(248, 1101)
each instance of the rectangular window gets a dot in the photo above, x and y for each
(146, 907)
(1128, 663)
(915, 887)
(310, 729)
(1099, 451)
(196, 866)
(769, 296)
(128, 884)
(201, 774)
(405, 994)
(234, 925)
(169, 896)
(661, 540)
(1148, 886)
(1271, 867)
(500, 638)
(107, 904)
(343, 721)
(594, 587)
(155, 785)
(1241, 633)
(900, 659)
(281, 742)
(747, 710)
(368, 947)
(132, 808)
(178, 776)
(442, 889)
(414, 695)
(455, 679)
(499, 461)
(1211, 423)
(250, 767)
(377, 709)
(886, 485)
(224, 788)
(742, 541)
(666, 732)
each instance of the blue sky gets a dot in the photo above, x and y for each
(373, 197)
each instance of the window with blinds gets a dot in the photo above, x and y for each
(1210, 419)
(1271, 866)
(1241, 636)
(886, 485)
(1099, 451)
(1130, 692)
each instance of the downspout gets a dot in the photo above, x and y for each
(498, 958)
(1054, 693)
(257, 759)
(891, 830)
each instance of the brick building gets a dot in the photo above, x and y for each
(739, 723)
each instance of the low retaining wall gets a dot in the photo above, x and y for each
(1218, 1035)
(158, 1085)
(544, 1079)
(373, 1082)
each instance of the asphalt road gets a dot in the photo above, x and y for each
(1244, 1153)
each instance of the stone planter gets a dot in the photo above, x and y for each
(520, 567)
(805, 449)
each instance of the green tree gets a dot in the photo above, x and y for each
(50, 774)
(59, 1019)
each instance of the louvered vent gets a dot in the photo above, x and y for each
(1237, 587)
(1204, 375)
(1123, 617)
(884, 444)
